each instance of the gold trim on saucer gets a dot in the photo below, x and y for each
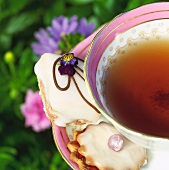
(56, 143)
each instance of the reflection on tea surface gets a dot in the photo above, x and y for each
(137, 87)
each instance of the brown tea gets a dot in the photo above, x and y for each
(137, 88)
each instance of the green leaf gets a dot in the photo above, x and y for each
(57, 162)
(102, 11)
(5, 41)
(80, 11)
(1, 127)
(109, 4)
(25, 58)
(20, 22)
(4, 70)
(5, 159)
(6, 156)
(94, 20)
(69, 41)
(8, 150)
(16, 5)
(56, 9)
(80, 2)
(149, 1)
(133, 4)
(25, 70)
(11, 7)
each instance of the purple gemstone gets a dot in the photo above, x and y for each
(115, 142)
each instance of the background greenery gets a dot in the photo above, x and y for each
(20, 147)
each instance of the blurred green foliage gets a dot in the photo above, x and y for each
(20, 147)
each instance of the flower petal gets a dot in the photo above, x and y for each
(85, 28)
(65, 25)
(33, 112)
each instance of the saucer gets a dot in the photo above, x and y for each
(61, 141)
(157, 160)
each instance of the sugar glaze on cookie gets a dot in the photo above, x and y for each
(94, 147)
(62, 106)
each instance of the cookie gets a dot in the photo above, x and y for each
(68, 105)
(93, 146)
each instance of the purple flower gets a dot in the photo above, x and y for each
(68, 59)
(49, 38)
(33, 112)
(72, 62)
(66, 70)
(84, 28)
(67, 64)
(46, 43)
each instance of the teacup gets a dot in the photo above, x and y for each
(146, 23)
